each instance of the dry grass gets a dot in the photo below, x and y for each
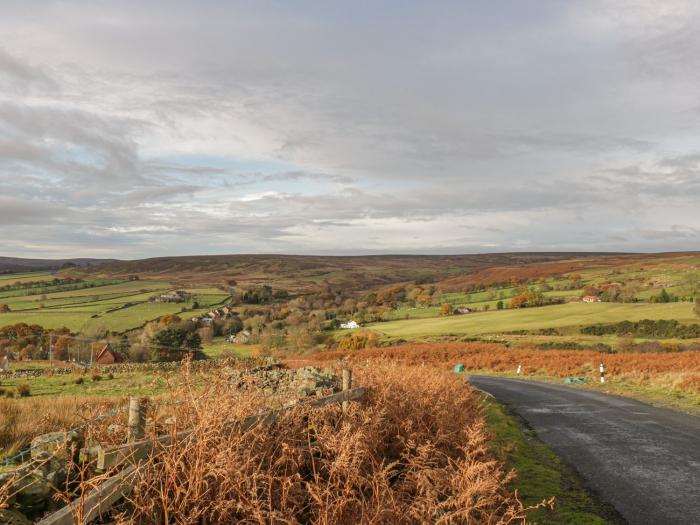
(414, 450)
(677, 371)
(23, 419)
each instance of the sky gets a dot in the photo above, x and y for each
(134, 129)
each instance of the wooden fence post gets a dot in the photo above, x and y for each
(347, 385)
(137, 418)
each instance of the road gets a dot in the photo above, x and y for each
(643, 460)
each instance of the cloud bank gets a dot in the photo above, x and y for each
(133, 129)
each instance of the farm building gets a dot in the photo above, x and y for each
(219, 313)
(241, 337)
(176, 296)
(107, 356)
(350, 325)
(461, 310)
(591, 299)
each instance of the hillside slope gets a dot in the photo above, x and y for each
(300, 273)
(17, 264)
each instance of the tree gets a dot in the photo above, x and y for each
(424, 299)
(664, 297)
(172, 344)
(206, 333)
(445, 309)
(61, 347)
(123, 346)
(4, 309)
(519, 301)
(499, 305)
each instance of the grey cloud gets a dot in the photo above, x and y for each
(247, 127)
(21, 78)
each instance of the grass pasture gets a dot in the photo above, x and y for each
(106, 304)
(12, 278)
(220, 347)
(570, 315)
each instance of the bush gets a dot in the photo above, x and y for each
(23, 390)
(646, 328)
(110, 376)
(415, 450)
(358, 341)
(96, 377)
(79, 380)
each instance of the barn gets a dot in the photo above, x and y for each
(107, 356)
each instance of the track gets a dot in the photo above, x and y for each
(643, 460)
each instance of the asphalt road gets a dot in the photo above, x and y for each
(642, 460)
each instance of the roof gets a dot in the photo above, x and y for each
(106, 348)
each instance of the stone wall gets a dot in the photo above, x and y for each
(54, 456)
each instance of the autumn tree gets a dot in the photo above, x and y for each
(61, 348)
(206, 333)
(4, 308)
(445, 309)
(424, 299)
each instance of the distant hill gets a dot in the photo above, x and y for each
(16, 264)
(299, 273)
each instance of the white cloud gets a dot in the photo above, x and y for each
(170, 127)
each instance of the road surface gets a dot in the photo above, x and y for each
(643, 460)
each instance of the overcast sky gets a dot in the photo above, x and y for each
(133, 129)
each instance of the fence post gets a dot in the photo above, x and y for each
(347, 385)
(73, 443)
(520, 367)
(137, 418)
(602, 372)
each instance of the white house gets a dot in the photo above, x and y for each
(350, 325)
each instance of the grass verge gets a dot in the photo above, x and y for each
(542, 474)
(663, 392)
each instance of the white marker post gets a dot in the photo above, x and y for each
(520, 367)
(602, 373)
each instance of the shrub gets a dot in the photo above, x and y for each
(414, 450)
(23, 390)
(110, 376)
(79, 380)
(358, 341)
(96, 377)
(646, 328)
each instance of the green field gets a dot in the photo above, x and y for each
(105, 305)
(557, 316)
(12, 278)
(220, 347)
(123, 384)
